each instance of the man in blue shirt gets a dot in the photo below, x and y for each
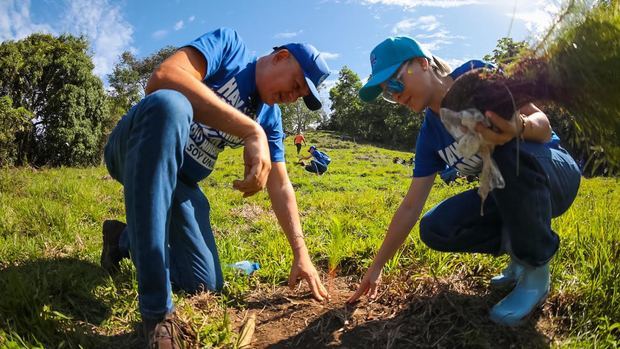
(319, 164)
(210, 94)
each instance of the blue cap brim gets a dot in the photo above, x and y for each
(313, 102)
(371, 89)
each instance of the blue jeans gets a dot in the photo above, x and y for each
(316, 167)
(517, 218)
(168, 230)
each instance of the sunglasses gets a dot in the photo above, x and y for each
(394, 84)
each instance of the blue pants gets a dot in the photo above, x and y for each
(168, 230)
(517, 217)
(316, 167)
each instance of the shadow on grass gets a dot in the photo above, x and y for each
(446, 320)
(52, 303)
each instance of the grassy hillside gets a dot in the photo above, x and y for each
(54, 294)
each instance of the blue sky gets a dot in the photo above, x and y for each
(344, 30)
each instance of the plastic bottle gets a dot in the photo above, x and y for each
(246, 267)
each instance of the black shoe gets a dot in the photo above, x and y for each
(163, 334)
(111, 254)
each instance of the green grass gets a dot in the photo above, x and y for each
(53, 293)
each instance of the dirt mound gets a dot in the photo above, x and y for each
(414, 311)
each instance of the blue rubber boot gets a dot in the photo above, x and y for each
(508, 276)
(531, 291)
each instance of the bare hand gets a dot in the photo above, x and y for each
(368, 286)
(505, 130)
(303, 268)
(257, 164)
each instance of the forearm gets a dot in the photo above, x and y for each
(208, 108)
(536, 126)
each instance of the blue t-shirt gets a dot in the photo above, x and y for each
(435, 148)
(321, 157)
(231, 75)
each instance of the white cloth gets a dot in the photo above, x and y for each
(462, 126)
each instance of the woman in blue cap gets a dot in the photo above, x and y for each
(517, 218)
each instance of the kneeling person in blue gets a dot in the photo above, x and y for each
(517, 218)
(211, 94)
(319, 162)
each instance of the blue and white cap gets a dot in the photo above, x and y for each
(386, 58)
(315, 70)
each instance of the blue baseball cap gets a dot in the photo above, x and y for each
(315, 70)
(312, 147)
(386, 58)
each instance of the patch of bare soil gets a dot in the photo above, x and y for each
(248, 211)
(414, 312)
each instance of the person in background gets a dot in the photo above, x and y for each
(299, 138)
(517, 218)
(211, 94)
(319, 161)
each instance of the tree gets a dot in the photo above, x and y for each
(13, 124)
(296, 117)
(379, 121)
(590, 156)
(130, 76)
(506, 51)
(346, 105)
(51, 77)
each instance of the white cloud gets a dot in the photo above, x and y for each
(456, 62)
(159, 34)
(438, 39)
(423, 3)
(191, 19)
(15, 21)
(428, 30)
(179, 25)
(330, 55)
(99, 21)
(104, 26)
(328, 84)
(428, 23)
(404, 26)
(287, 35)
(537, 15)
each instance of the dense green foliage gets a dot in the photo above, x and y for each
(53, 293)
(584, 56)
(52, 78)
(13, 124)
(130, 76)
(506, 51)
(586, 138)
(586, 150)
(380, 121)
